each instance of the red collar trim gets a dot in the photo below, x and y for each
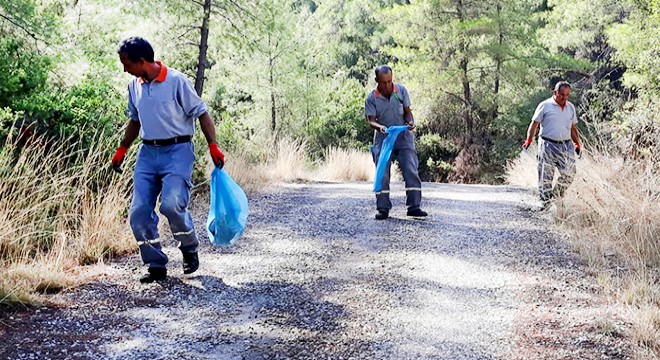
(162, 75)
(396, 90)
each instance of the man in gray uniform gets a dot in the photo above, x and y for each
(163, 107)
(558, 143)
(389, 105)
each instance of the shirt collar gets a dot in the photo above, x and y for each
(161, 76)
(396, 90)
(557, 104)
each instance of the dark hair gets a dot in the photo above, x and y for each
(383, 69)
(562, 84)
(136, 48)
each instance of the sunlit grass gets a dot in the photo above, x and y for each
(60, 207)
(612, 211)
(288, 161)
(346, 165)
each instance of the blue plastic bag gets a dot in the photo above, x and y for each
(385, 153)
(228, 211)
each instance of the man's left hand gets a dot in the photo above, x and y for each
(578, 150)
(411, 126)
(118, 158)
(217, 156)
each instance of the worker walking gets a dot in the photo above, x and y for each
(389, 105)
(558, 142)
(162, 106)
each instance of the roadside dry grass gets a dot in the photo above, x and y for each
(612, 214)
(346, 165)
(288, 161)
(60, 207)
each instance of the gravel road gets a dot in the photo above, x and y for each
(316, 277)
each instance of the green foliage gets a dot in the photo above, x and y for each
(341, 121)
(636, 43)
(22, 71)
(92, 105)
(7, 120)
(578, 27)
(301, 68)
(28, 19)
(435, 156)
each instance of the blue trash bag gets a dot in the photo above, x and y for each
(385, 153)
(228, 211)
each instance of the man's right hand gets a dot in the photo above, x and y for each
(118, 158)
(526, 144)
(383, 129)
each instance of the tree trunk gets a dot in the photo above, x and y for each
(203, 47)
(273, 113)
(498, 61)
(271, 81)
(467, 93)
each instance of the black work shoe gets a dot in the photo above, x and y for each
(382, 215)
(417, 213)
(155, 274)
(190, 262)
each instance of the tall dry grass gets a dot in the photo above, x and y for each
(284, 162)
(612, 211)
(346, 165)
(60, 207)
(288, 161)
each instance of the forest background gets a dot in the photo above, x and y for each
(286, 80)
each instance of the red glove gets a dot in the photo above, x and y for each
(578, 150)
(526, 144)
(118, 158)
(217, 156)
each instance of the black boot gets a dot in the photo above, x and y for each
(155, 274)
(190, 262)
(417, 213)
(382, 215)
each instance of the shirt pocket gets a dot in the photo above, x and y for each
(168, 108)
(400, 109)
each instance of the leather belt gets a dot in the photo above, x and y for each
(171, 141)
(555, 141)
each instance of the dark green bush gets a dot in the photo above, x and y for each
(435, 156)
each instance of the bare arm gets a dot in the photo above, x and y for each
(575, 136)
(130, 134)
(531, 131)
(206, 123)
(408, 117)
(375, 125)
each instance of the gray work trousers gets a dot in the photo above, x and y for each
(560, 156)
(164, 170)
(408, 162)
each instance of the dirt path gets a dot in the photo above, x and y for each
(315, 277)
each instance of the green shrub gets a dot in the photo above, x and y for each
(435, 156)
(342, 122)
(22, 71)
(91, 107)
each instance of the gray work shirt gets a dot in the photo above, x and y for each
(389, 112)
(165, 107)
(555, 122)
